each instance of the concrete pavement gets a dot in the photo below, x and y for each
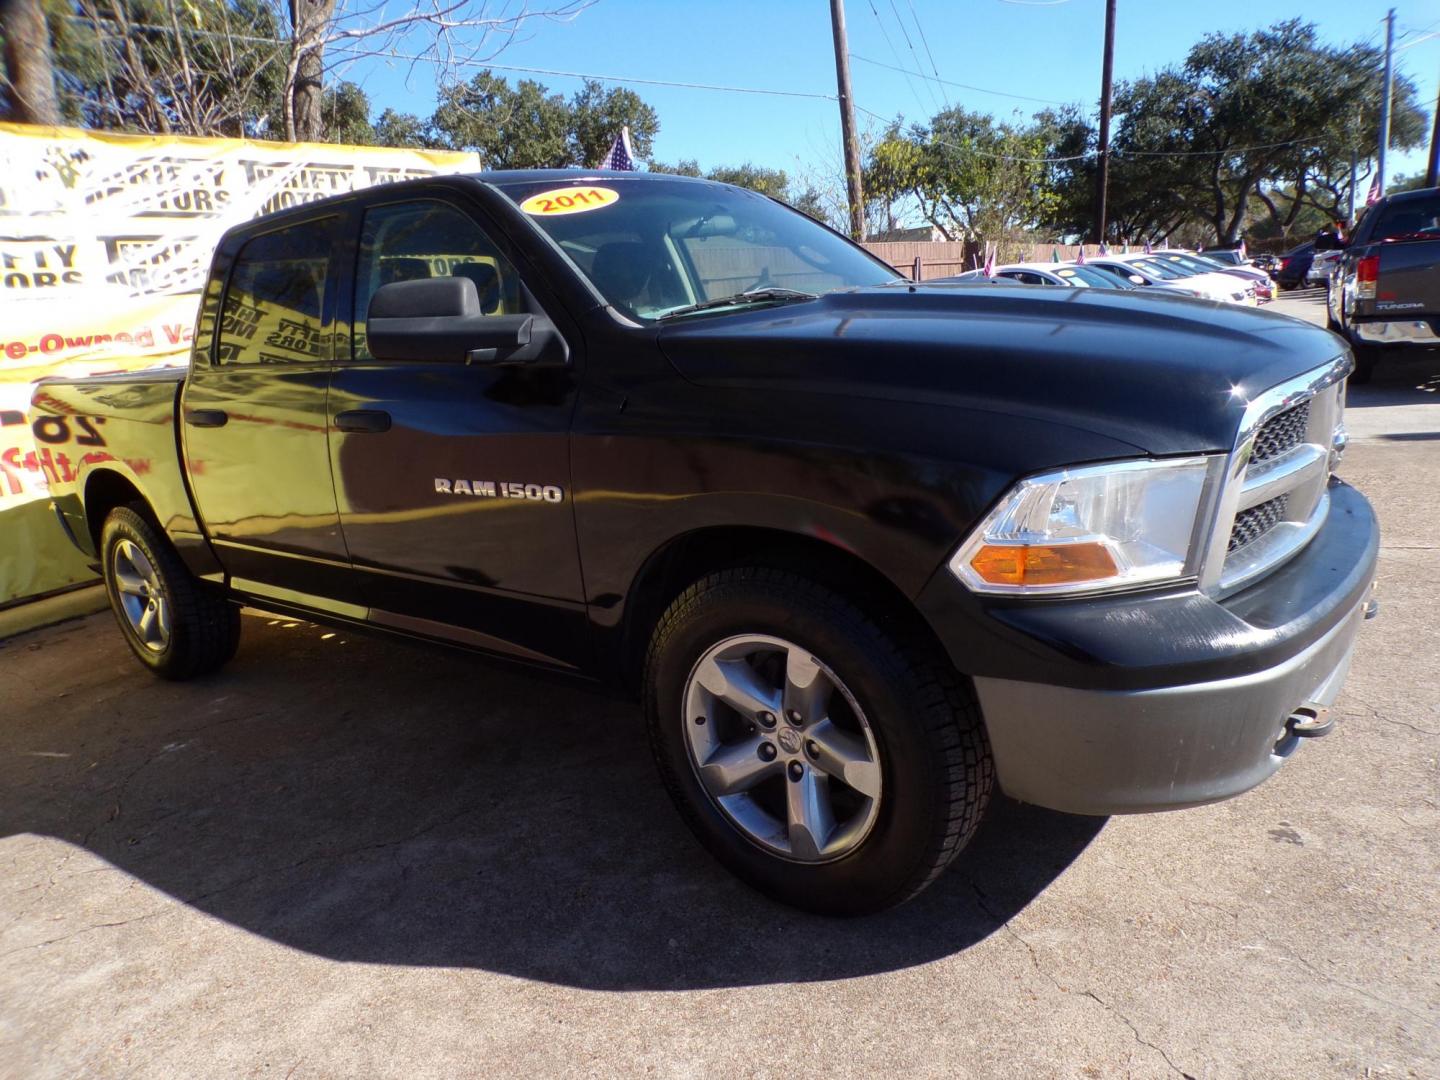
(343, 856)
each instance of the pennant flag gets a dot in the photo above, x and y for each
(1374, 196)
(620, 156)
(1054, 254)
(1080, 259)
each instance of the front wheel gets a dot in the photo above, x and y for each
(829, 763)
(176, 625)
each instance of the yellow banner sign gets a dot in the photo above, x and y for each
(105, 243)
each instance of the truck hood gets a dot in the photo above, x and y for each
(1166, 374)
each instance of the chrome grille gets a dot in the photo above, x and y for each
(1251, 525)
(1284, 432)
(1274, 494)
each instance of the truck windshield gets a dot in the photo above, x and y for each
(1410, 219)
(657, 247)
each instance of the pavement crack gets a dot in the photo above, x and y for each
(1378, 715)
(1004, 925)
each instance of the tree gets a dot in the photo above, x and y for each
(775, 183)
(598, 113)
(452, 34)
(1243, 116)
(972, 177)
(519, 127)
(140, 65)
(29, 90)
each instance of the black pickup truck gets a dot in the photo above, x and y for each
(1384, 295)
(865, 548)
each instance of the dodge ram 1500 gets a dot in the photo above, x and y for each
(865, 548)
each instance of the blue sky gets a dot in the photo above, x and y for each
(1034, 48)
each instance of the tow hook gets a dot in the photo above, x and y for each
(1310, 721)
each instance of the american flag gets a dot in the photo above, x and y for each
(1103, 249)
(620, 156)
(989, 261)
(1374, 196)
(1148, 249)
(1080, 259)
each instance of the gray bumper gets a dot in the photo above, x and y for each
(1128, 751)
(1399, 332)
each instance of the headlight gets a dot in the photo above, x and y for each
(1088, 529)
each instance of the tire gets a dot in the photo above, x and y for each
(1366, 357)
(190, 628)
(903, 727)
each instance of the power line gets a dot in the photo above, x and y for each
(951, 82)
(915, 18)
(357, 52)
(911, 46)
(895, 53)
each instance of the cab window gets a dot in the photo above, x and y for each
(424, 239)
(273, 303)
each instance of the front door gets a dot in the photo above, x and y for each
(453, 479)
(254, 420)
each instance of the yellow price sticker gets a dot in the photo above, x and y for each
(570, 200)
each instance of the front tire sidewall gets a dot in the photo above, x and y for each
(119, 527)
(874, 874)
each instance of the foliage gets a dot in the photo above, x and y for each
(143, 65)
(971, 176)
(1244, 116)
(775, 183)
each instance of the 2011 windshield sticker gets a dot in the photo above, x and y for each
(570, 200)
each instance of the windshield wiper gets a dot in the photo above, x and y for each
(769, 294)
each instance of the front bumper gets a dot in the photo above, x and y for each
(1121, 705)
(1126, 751)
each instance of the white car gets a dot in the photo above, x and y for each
(1070, 275)
(1153, 270)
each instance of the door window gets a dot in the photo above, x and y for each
(423, 239)
(273, 303)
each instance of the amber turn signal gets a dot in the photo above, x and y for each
(1043, 564)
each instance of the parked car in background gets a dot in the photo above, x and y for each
(1226, 256)
(1126, 275)
(1254, 280)
(1384, 295)
(1322, 267)
(1295, 265)
(1151, 271)
(1069, 275)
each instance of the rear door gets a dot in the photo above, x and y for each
(453, 480)
(255, 418)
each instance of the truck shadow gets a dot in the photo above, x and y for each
(370, 802)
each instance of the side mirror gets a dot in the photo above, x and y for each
(439, 320)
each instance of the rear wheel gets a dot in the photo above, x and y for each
(176, 625)
(831, 764)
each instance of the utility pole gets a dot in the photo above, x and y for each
(1385, 101)
(847, 121)
(1107, 68)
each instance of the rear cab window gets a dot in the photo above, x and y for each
(274, 301)
(1409, 219)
